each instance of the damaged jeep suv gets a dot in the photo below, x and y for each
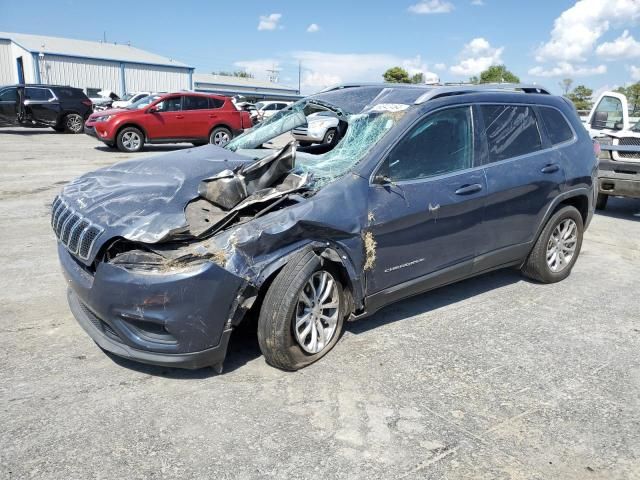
(423, 186)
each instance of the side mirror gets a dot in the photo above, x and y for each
(381, 179)
(618, 126)
(153, 109)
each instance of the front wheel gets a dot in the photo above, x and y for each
(220, 136)
(130, 139)
(73, 123)
(557, 248)
(302, 315)
(329, 136)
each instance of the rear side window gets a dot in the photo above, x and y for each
(558, 129)
(511, 131)
(9, 95)
(215, 102)
(441, 143)
(40, 94)
(68, 92)
(195, 103)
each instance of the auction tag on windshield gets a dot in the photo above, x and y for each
(389, 107)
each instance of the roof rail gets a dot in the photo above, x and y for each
(449, 90)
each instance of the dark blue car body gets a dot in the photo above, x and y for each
(388, 239)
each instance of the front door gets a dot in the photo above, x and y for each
(426, 203)
(166, 121)
(41, 106)
(9, 106)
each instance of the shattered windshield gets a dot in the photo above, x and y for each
(369, 114)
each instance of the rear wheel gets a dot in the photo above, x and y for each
(73, 123)
(220, 136)
(130, 139)
(329, 136)
(302, 315)
(557, 248)
(601, 202)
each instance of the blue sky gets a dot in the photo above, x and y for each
(595, 42)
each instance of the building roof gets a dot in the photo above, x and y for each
(229, 81)
(88, 49)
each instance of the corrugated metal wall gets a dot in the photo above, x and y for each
(81, 73)
(7, 64)
(156, 79)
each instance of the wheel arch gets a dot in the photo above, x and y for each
(130, 124)
(578, 198)
(220, 125)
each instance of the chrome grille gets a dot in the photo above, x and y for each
(629, 141)
(75, 232)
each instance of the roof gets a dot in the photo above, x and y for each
(88, 49)
(226, 80)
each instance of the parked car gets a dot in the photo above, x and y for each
(171, 118)
(165, 257)
(321, 127)
(64, 109)
(619, 166)
(269, 108)
(104, 100)
(129, 99)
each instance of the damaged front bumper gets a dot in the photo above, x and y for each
(180, 318)
(619, 178)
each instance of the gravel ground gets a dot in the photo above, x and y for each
(494, 378)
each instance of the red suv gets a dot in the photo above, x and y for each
(169, 118)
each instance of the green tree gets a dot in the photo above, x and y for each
(237, 73)
(565, 84)
(418, 78)
(496, 74)
(581, 97)
(396, 75)
(632, 92)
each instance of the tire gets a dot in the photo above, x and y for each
(73, 123)
(130, 139)
(220, 136)
(283, 305)
(601, 201)
(539, 266)
(330, 136)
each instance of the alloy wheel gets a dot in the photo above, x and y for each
(131, 140)
(74, 123)
(220, 138)
(317, 312)
(562, 245)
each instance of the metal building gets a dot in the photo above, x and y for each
(250, 88)
(92, 66)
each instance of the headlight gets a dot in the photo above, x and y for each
(103, 118)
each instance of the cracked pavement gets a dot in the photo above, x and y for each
(495, 377)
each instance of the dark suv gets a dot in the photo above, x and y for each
(426, 186)
(64, 109)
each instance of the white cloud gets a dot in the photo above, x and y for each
(478, 3)
(624, 46)
(635, 73)
(321, 69)
(476, 56)
(427, 7)
(269, 22)
(577, 29)
(440, 66)
(565, 69)
(314, 27)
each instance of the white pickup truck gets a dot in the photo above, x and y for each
(619, 168)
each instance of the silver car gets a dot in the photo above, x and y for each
(321, 127)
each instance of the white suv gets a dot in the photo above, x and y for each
(321, 127)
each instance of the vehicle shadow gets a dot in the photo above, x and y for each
(148, 148)
(25, 131)
(622, 208)
(435, 299)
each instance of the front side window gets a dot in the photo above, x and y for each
(511, 131)
(607, 114)
(195, 103)
(440, 143)
(558, 129)
(38, 94)
(172, 104)
(9, 95)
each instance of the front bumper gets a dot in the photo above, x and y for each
(102, 135)
(178, 319)
(619, 178)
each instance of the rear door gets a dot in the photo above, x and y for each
(41, 105)
(9, 105)
(167, 121)
(426, 203)
(524, 175)
(197, 116)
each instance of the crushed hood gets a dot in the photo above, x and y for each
(144, 200)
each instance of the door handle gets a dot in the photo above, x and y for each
(213, 116)
(468, 189)
(179, 116)
(550, 168)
